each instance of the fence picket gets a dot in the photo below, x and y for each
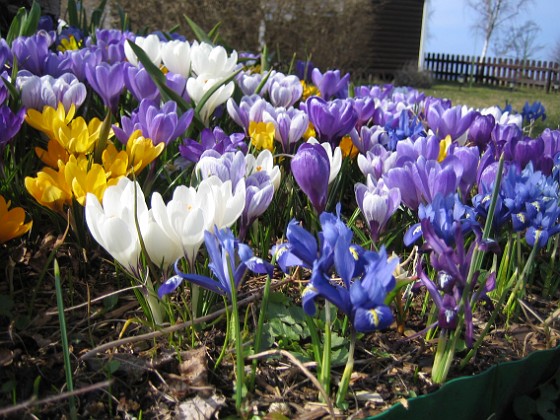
(495, 71)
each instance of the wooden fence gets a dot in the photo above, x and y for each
(494, 71)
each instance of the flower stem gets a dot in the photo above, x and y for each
(348, 369)
(258, 336)
(239, 365)
(325, 376)
(444, 354)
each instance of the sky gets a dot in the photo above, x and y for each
(449, 27)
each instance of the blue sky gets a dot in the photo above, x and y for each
(449, 27)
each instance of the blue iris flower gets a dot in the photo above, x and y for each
(366, 277)
(226, 253)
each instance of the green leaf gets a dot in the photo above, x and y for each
(198, 31)
(97, 14)
(73, 19)
(16, 27)
(31, 22)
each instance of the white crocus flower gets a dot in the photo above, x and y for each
(113, 226)
(186, 216)
(503, 118)
(197, 88)
(229, 204)
(335, 157)
(211, 62)
(176, 56)
(263, 162)
(151, 46)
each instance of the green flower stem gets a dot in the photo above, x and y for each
(325, 376)
(315, 342)
(226, 340)
(519, 287)
(64, 339)
(239, 365)
(260, 323)
(447, 343)
(348, 369)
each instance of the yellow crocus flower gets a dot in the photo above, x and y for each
(141, 151)
(53, 154)
(84, 178)
(78, 137)
(45, 120)
(69, 43)
(310, 132)
(115, 162)
(12, 222)
(50, 189)
(347, 147)
(443, 148)
(262, 135)
(308, 90)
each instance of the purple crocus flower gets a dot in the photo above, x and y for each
(249, 82)
(284, 91)
(229, 166)
(525, 150)
(503, 134)
(37, 92)
(365, 108)
(79, 60)
(303, 69)
(465, 160)
(377, 204)
(551, 139)
(250, 108)
(4, 93)
(107, 81)
(311, 169)
(160, 124)
(290, 125)
(111, 43)
(56, 64)
(420, 181)
(226, 253)
(480, 130)
(10, 124)
(376, 161)
(330, 84)
(367, 137)
(6, 56)
(31, 52)
(409, 150)
(452, 122)
(259, 192)
(140, 83)
(332, 120)
(215, 139)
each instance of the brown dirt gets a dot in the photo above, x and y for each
(159, 377)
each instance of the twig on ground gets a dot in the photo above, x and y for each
(172, 328)
(49, 400)
(300, 365)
